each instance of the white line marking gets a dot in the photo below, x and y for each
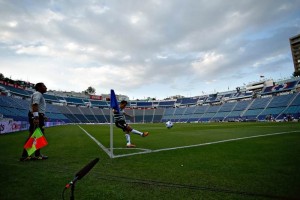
(133, 149)
(97, 142)
(131, 154)
(222, 141)
(204, 144)
(174, 148)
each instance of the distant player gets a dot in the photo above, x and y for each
(169, 124)
(121, 123)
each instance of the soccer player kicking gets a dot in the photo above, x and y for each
(121, 123)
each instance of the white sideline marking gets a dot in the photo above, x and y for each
(174, 148)
(204, 144)
(97, 142)
(222, 141)
(134, 148)
(132, 154)
(106, 149)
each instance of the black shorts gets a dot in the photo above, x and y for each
(32, 127)
(122, 125)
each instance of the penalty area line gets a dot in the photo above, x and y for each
(97, 142)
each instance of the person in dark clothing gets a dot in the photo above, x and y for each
(36, 117)
(121, 123)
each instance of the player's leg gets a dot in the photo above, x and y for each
(25, 155)
(127, 129)
(143, 134)
(128, 142)
(38, 155)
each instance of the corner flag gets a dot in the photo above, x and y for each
(35, 142)
(113, 101)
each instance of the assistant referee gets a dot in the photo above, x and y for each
(36, 117)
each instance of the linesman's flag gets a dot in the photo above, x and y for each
(113, 101)
(35, 142)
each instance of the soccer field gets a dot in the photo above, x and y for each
(189, 161)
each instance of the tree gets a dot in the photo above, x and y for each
(1, 76)
(296, 73)
(90, 90)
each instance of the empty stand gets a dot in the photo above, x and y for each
(270, 102)
(158, 115)
(148, 115)
(166, 104)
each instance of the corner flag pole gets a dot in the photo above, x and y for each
(111, 134)
(113, 105)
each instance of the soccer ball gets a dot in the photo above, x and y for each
(169, 124)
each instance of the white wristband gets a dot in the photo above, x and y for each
(35, 114)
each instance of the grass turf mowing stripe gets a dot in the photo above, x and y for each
(107, 151)
(179, 147)
(222, 141)
(97, 142)
(204, 144)
(185, 186)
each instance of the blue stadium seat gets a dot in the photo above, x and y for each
(17, 91)
(143, 104)
(166, 104)
(100, 104)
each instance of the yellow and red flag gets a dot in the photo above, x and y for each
(35, 142)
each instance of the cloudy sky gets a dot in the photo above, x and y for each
(152, 48)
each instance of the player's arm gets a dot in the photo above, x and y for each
(114, 111)
(127, 115)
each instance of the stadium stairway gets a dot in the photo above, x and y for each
(292, 108)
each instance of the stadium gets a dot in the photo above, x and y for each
(264, 100)
(241, 144)
(216, 113)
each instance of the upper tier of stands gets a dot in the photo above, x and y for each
(186, 101)
(275, 107)
(280, 87)
(256, 109)
(277, 101)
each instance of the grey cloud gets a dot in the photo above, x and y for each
(157, 41)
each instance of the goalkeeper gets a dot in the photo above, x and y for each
(121, 123)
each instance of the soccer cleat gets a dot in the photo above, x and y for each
(130, 145)
(25, 158)
(145, 134)
(41, 157)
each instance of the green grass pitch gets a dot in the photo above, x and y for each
(250, 168)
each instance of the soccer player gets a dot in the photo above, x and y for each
(121, 123)
(36, 116)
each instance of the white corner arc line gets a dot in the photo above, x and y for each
(97, 142)
(133, 149)
(132, 154)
